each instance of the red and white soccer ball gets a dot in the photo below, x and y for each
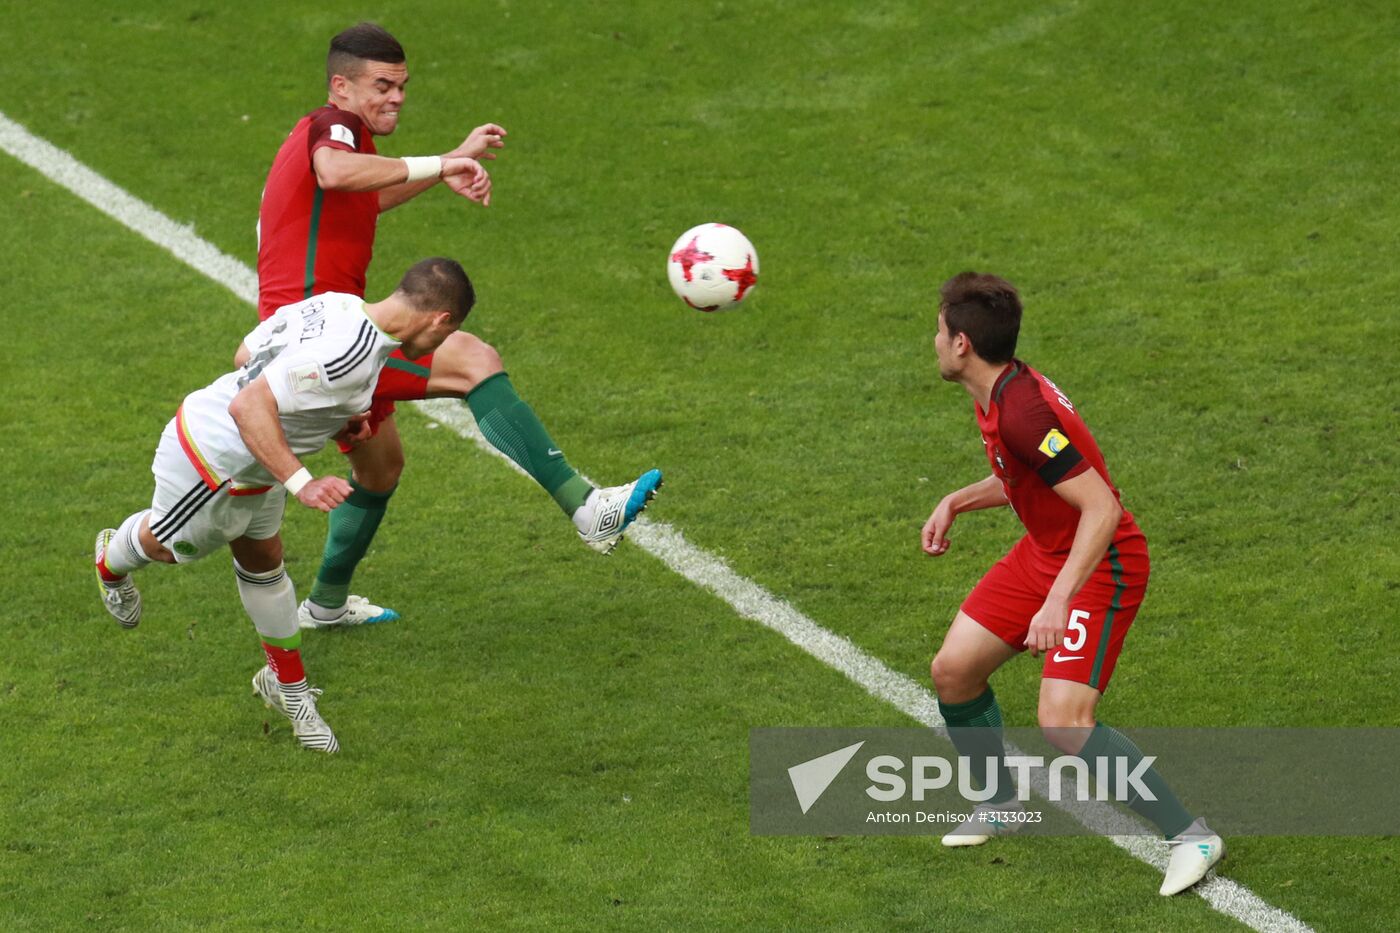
(712, 267)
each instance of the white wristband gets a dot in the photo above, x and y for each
(421, 167)
(297, 480)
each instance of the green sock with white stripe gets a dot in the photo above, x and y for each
(976, 732)
(512, 428)
(1166, 812)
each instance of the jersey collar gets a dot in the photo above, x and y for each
(388, 338)
(1012, 369)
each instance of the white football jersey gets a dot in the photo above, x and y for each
(321, 357)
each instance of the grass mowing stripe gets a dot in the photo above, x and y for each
(695, 564)
(131, 212)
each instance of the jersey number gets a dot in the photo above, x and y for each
(1078, 633)
(258, 361)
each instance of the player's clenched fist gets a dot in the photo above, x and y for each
(324, 493)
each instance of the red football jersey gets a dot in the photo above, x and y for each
(312, 241)
(1035, 439)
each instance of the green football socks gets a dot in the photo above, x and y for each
(512, 428)
(352, 527)
(1166, 812)
(976, 732)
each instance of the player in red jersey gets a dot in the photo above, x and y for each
(1069, 589)
(316, 226)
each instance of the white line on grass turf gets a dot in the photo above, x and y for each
(668, 545)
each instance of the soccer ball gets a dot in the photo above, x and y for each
(712, 267)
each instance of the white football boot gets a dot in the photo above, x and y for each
(121, 599)
(307, 725)
(605, 515)
(1193, 853)
(356, 611)
(987, 820)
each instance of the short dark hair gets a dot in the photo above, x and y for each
(363, 42)
(439, 284)
(987, 309)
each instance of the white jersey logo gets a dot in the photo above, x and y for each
(304, 378)
(341, 134)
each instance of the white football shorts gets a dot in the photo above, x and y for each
(194, 521)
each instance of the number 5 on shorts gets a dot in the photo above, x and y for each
(1077, 634)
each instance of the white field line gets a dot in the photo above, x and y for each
(668, 545)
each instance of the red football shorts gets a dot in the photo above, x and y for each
(1012, 592)
(401, 380)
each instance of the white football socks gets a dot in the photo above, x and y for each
(124, 551)
(270, 600)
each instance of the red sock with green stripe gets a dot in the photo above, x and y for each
(285, 662)
(105, 573)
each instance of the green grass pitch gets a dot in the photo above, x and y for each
(1197, 201)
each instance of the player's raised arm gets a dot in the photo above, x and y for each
(983, 494)
(463, 175)
(338, 170)
(254, 410)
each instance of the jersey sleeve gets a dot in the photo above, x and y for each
(298, 382)
(325, 374)
(335, 129)
(1032, 433)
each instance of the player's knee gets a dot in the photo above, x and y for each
(382, 474)
(152, 547)
(951, 677)
(1065, 726)
(467, 358)
(485, 360)
(257, 555)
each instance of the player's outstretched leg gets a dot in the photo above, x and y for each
(1195, 848)
(513, 428)
(118, 553)
(1067, 718)
(471, 368)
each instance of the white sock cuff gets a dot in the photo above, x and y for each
(260, 578)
